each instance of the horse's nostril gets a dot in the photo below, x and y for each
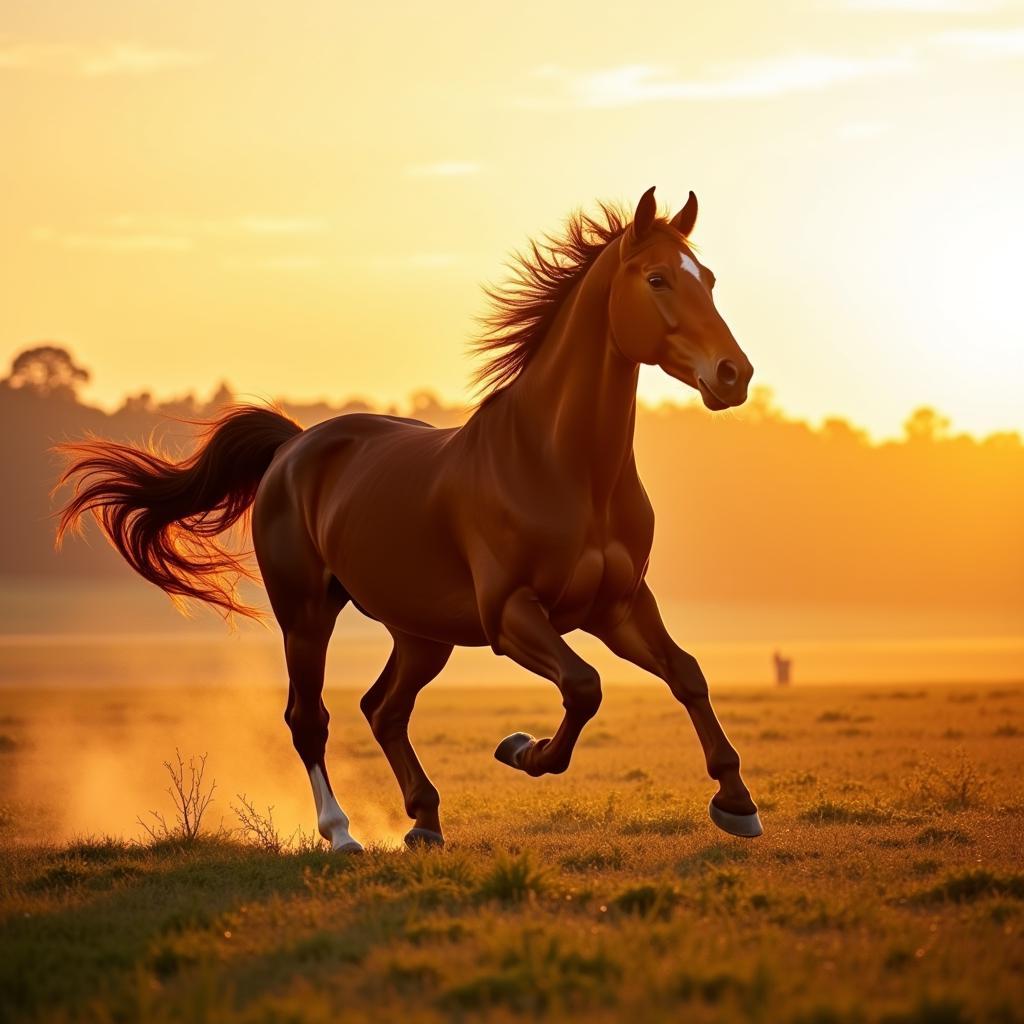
(727, 372)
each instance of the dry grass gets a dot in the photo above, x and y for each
(888, 887)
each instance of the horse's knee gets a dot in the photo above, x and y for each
(389, 721)
(686, 680)
(309, 727)
(581, 692)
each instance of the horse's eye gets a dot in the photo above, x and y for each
(657, 281)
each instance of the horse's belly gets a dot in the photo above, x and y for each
(401, 568)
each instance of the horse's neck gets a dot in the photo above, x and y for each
(578, 393)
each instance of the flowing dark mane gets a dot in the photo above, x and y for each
(524, 307)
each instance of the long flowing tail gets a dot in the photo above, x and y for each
(164, 517)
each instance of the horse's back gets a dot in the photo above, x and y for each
(371, 494)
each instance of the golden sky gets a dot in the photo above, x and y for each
(304, 198)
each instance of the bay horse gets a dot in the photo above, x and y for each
(525, 523)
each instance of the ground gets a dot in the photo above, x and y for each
(888, 886)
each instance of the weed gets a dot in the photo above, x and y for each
(513, 879)
(834, 716)
(955, 785)
(647, 900)
(831, 812)
(968, 886)
(191, 798)
(933, 835)
(929, 1011)
(256, 828)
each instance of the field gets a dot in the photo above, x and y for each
(889, 885)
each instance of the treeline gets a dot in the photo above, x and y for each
(752, 506)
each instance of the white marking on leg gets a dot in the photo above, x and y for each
(687, 262)
(331, 820)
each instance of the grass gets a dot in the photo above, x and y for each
(888, 887)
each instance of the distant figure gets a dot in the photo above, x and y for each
(524, 524)
(782, 667)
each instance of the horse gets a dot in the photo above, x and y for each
(523, 524)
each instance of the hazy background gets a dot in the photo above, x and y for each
(901, 560)
(304, 199)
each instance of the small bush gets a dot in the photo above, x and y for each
(834, 716)
(659, 823)
(595, 860)
(932, 835)
(191, 798)
(830, 812)
(513, 880)
(256, 828)
(954, 786)
(648, 900)
(928, 1011)
(969, 886)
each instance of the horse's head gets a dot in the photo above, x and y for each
(662, 311)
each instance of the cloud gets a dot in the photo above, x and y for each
(418, 261)
(923, 6)
(249, 224)
(282, 225)
(858, 131)
(293, 262)
(112, 242)
(129, 232)
(93, 60)
(444, 169)
(633, 84)
(984, 43)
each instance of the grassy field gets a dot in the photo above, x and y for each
(889, 885)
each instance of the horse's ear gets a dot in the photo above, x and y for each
(684, 220)
(643, 219)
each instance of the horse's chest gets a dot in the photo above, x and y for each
(600, 575)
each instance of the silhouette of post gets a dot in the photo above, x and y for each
(782, 669)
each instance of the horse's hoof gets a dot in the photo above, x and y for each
(350, 847)
(417, 838)
(746, 826)
(511, 749)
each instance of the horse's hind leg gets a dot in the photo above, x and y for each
(414, 662)
(305, 644)
(306, 600)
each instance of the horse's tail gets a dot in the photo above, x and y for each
(163, 517)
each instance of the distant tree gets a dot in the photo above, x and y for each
(140, 403)
(835, 429)
(425, 405)
(926, 424)
(222, 396)
(48, 371)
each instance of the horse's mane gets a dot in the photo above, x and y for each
(524, 307)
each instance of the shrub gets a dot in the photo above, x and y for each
(513, 879)
(191, 798)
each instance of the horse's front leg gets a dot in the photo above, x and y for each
(643, 639)
(525, 635)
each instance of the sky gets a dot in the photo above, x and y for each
(304, 199)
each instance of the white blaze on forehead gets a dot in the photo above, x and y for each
(687, 262)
